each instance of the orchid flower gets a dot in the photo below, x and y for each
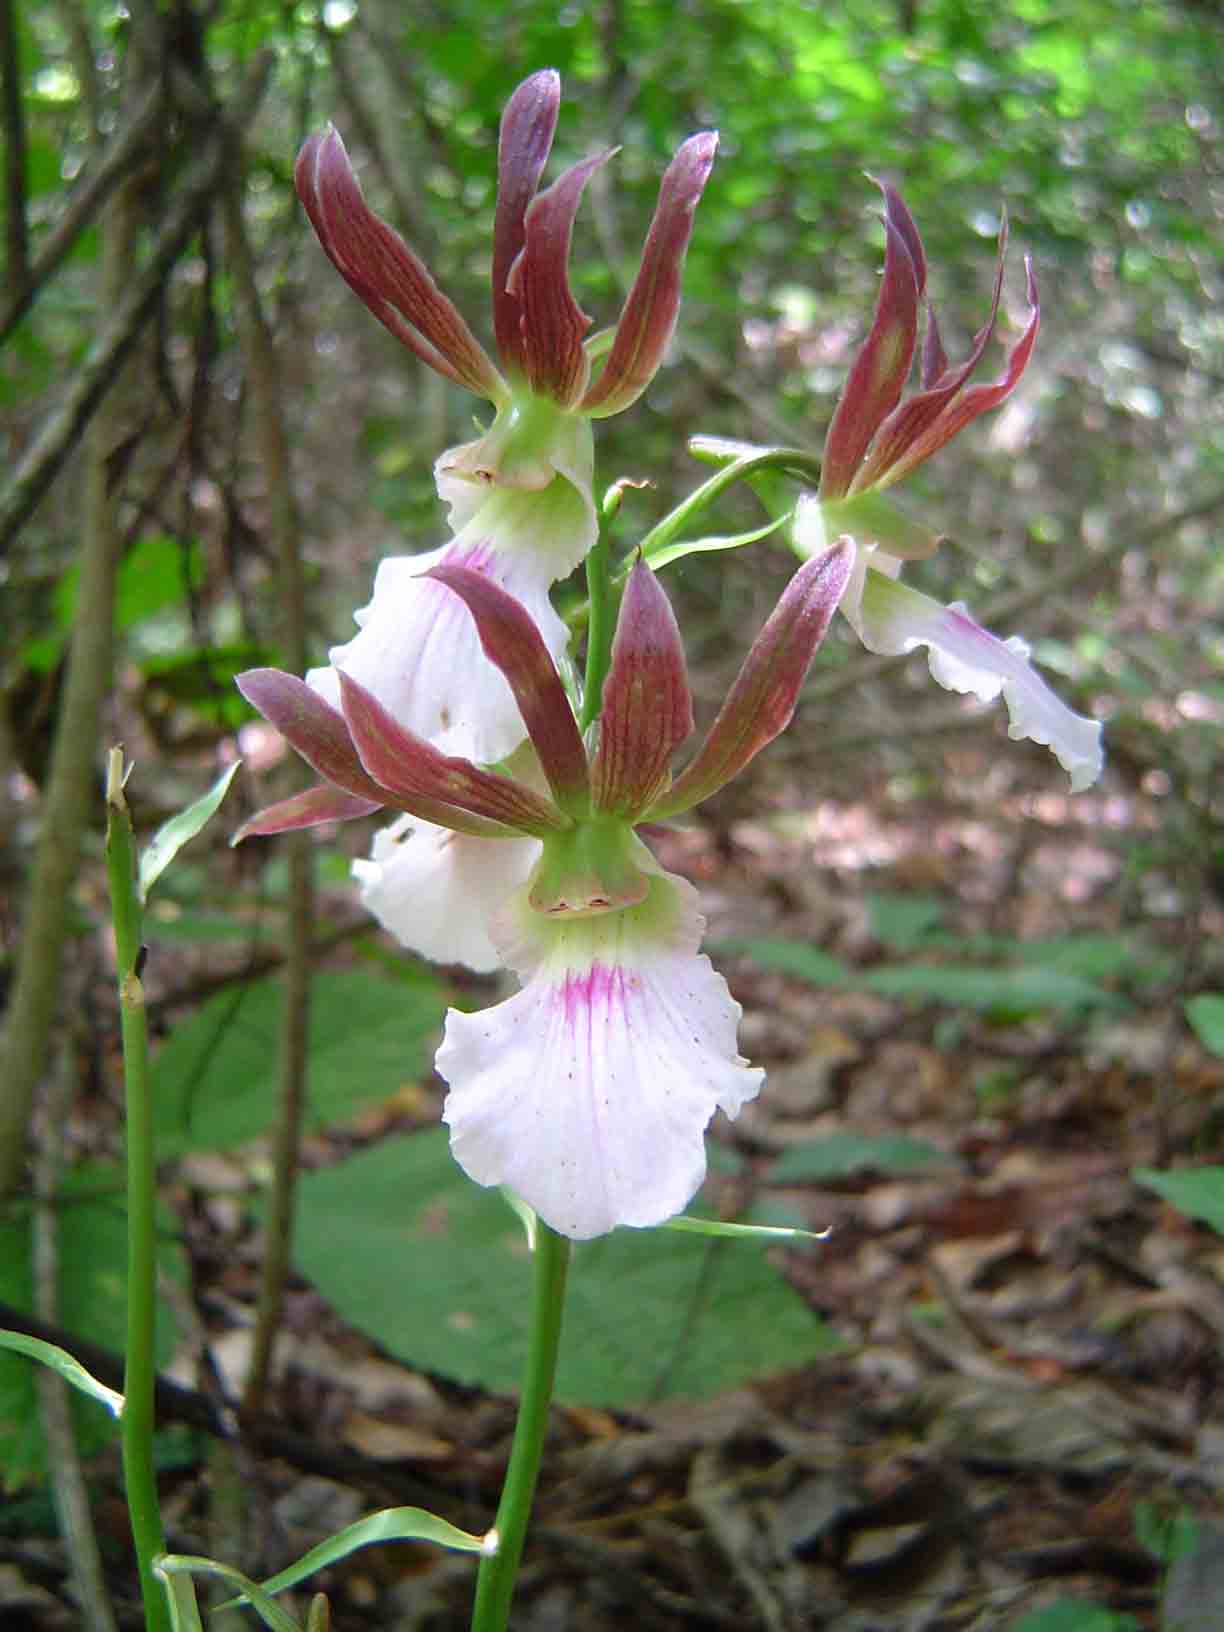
(589, 1091)
(520, 496)
(878, 436)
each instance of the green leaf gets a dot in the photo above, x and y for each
(903, 921)
(179, 830)
(1206, 1014)
(184, 1607)
(92, 1250)
(741, 1232)
(843, 1154)
(792, 958)
(153, 576)
(1073, 1615)
(215, 1080)
(1196, 1191)
(392, 1524)
(1167, 1535)
(71, 1370)
(1004, 994)
(715, 542)
(170, 1565)
(436, 1270)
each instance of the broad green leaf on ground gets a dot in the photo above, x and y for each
(1007, 993)
(1206, 1014)
(1196, 1191)
(92, 1246)
(799, 958)
(437, 1270)
(1075, 1615)
(214, 1082)
(903, 921)
(843, 1154)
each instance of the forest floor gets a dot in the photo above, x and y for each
(1026, 1403)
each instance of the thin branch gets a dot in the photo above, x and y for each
(408, 216)
(70, 793)
(17, 229)
(61, 431)
(263, 379)
(265, 1435)
(90, 194)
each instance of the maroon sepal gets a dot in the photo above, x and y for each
(413, 770)
(879, 372)
(649, 314)
(647, 707)
(512, 642)
(553, 323)
(317, 805)
(762, 700)
(527, 128)
(388, 276)
(312, 726)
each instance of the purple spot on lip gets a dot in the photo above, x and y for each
(598, 985)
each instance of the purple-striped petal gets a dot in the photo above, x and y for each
(527, 128)
(310, 809)
(312, 727)
(378, 266)
(762, 700)
(891, 618)
(588, 1093)
(413, 771)
(512, 642)
(649, 314)
(647, 707)
(878, 375)
(553, 323)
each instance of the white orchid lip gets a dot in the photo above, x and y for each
(589, 1092)
(892, 619)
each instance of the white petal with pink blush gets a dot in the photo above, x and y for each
(589, 1092)
(890, 618)
(419, 652)
(436, 891)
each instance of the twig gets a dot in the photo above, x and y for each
(17, 230)
(408, 216)
(99, 181)
(272, 443)
(114, 345)
(264, 1435)
(69, 792)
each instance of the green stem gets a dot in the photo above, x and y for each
(139, 1476)
(599, 628)
(498, 1572)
